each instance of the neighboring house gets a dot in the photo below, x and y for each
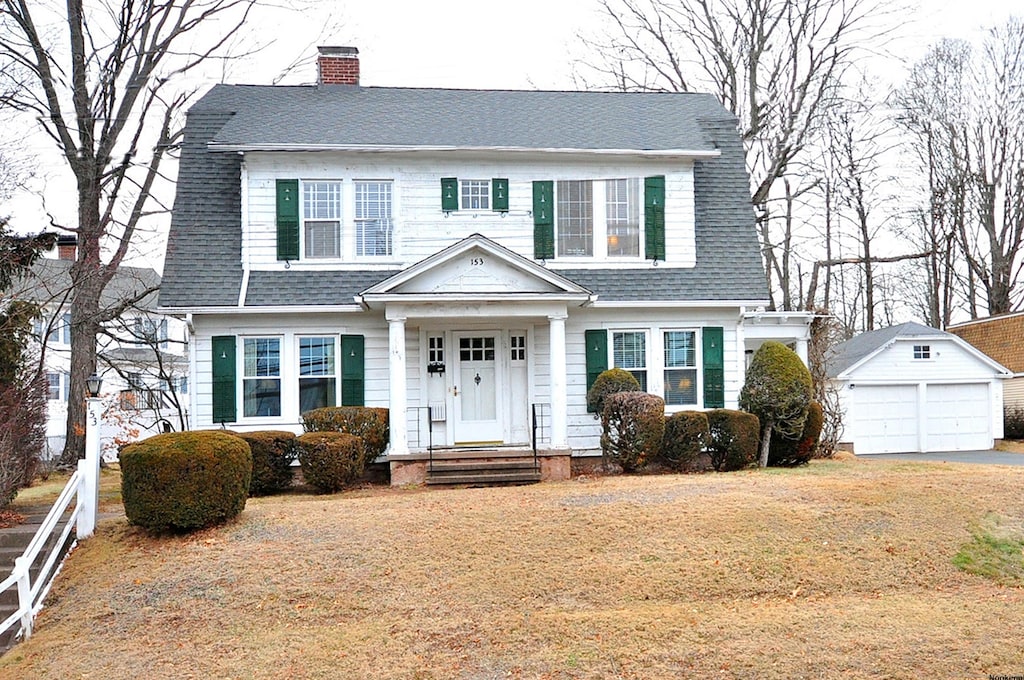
(1002, 338)
(914, 388)
(141, 356)
(465, 258)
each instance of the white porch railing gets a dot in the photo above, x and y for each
(83, 490)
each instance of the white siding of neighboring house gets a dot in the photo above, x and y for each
(1013, 392)
(421, 229)
(583, 428)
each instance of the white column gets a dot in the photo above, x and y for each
(89, 468)
(559, 395)
(740, 363)
(397, 381)
(801, 351)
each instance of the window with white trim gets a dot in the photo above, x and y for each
(518, 347)
(629, 352)
(53, 386)
(318, 372)
(622, 217)
(574, 218)
(922, 351)
(261, 377)
(475, 194)
(373, 218)
(321, 220)
(60, 332)
(680, 368)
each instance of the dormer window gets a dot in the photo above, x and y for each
(922, 351)
(321, 219)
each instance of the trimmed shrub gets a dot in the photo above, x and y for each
(330, 460)
(612, 381)
(734, 435)
(273, 452)
(368, 423)
(633, 427)
(182, 481)
(686, 435)
(778, 391)
(1013, 422)
(786, 452)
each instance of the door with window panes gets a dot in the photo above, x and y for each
(476, 389)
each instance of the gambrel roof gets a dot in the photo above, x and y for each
(203, 264)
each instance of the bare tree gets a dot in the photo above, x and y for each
(776, 64)
(102, 82)
(964, 109)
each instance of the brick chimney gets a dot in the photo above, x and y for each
(67, 247)
(338, 65)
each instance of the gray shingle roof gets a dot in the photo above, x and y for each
(49, 281)
(203, 265)
(394, 116)
(846, 354)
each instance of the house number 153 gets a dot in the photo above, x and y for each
(476, 261)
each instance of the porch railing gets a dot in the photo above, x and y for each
(540, 427)
(80, 495)
(423, 416)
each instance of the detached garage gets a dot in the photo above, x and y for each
(913, 388)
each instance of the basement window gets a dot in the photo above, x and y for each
(922, 351)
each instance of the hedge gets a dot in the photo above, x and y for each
(686, 435)
(786, 452)
(366, 422)
(632, 428)
(734, 436)
(182, 481)
(273, 452)
(612, 381)
(330, 460)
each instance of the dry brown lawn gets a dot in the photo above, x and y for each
(839, 569)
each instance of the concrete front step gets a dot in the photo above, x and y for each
(491, 478)
(479, 465)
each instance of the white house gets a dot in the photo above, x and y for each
(913, 388)
(466, 258)
(142, 355)
(1001, 338)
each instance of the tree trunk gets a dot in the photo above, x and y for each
(766, 442)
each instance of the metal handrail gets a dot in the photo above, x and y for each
(536, 426)
(430, 432)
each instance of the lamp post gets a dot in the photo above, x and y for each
(89, 467)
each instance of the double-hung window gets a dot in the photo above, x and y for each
(574, 214)
(53, 386)
(680, 368)
(318, 372)
(60, 333)
(373, 218)
(629, 352)
(622, 217)
(321, 219)
(261, 381)
(475, 194)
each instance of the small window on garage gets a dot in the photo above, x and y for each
(922, 351)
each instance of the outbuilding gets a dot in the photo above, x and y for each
(911, 388)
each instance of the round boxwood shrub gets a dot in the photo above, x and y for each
(182, 481)
(366, 422)
(733, 440)
(330, 460)
(686, 435)
(273, 452)
(612, 381)
(632, 428)
(786, 452)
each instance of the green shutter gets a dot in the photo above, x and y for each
(499, 195)
(543, 220)
(449, 194)
(287, 219)
(714, 368)
(654, 218)
(224, 387)
(353, 371)
(597, 356)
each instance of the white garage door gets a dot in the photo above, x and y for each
(959, 417)
(884, 419)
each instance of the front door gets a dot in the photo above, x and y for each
(476, 390)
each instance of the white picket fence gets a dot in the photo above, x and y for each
(82, 490)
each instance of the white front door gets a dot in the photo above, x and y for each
(477, 389)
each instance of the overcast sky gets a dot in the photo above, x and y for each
(525, 44)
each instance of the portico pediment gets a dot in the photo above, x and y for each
(472, 268)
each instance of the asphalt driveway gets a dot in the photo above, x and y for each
(981, 457)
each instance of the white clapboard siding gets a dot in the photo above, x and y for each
(421, 228)
(949, 361)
